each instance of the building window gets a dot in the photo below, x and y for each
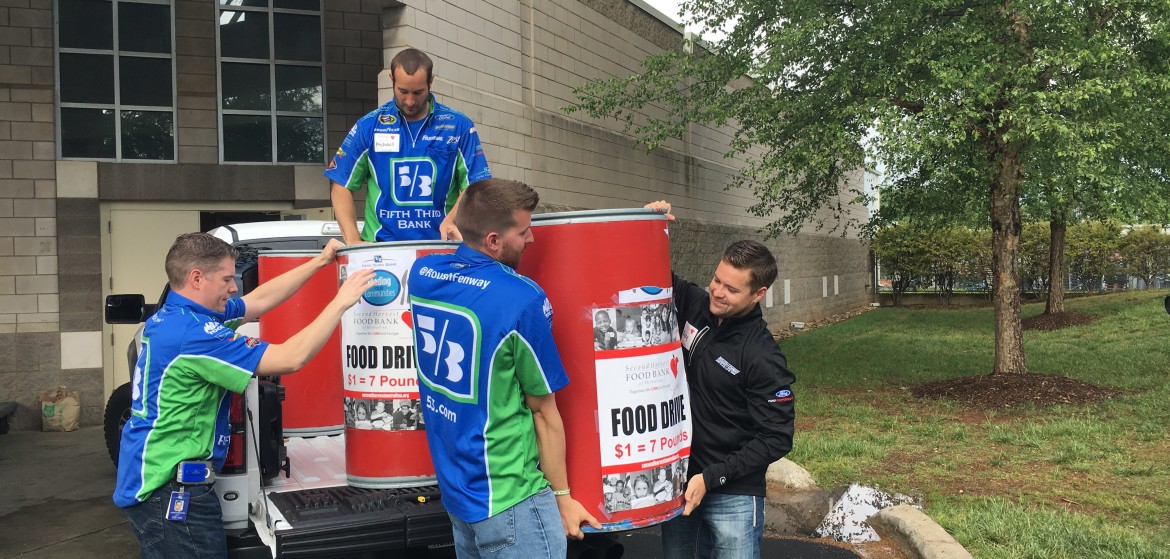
(271, 81)
(116, 80)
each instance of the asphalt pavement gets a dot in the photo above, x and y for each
(55, 498)
(55, 504)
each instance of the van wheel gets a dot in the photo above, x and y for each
(117, 413)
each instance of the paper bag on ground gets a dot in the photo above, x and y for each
(60, 410)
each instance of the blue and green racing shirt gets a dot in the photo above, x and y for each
(413, 173)
(483, 340)
(190, 358)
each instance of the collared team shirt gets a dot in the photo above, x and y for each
(190, 358)
(412, 179)
(483, 338)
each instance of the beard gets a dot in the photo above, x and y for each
(511, 257)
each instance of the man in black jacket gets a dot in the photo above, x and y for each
(741, 404)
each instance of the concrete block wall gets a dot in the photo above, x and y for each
(30, 300)
(353, 56)
(28, 219)
(197, 120)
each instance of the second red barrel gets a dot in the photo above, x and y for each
(312, 396)
(626, 409)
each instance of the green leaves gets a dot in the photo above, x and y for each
(971, 108)
(1145, 253)
(1080, 87)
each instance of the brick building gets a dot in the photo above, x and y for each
(125, 122)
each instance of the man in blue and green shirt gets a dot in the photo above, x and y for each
(413, 155)
(488, 368)
(190, 359)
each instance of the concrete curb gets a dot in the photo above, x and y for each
(796, 506)
(917, 534)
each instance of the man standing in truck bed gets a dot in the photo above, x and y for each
(413, 155)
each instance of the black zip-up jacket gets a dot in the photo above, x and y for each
(742, 408)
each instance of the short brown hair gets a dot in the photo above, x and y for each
(487, 207)
(755, 258)
(196, 251)
(410, 60)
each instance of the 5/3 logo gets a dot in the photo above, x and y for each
(455, 354)
(414, 179)
(446, 339)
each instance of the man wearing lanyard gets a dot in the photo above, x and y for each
(413, 155)
(191, 358)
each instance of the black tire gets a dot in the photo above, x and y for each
(117, 413)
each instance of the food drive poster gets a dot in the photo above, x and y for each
(377, 343)
(643, 405)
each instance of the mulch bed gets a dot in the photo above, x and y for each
(1005, 391)
(1056, 321)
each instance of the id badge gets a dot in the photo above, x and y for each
(177, 507)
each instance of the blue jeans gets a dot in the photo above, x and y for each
(722, 527)
(531, 529)
(201, 536)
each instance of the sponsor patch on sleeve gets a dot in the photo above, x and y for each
(783, 395)
(248, 340)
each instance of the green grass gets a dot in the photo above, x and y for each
(1080, 481)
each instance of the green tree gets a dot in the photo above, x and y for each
(1057, 230)
(902, 252)
(949, 252)
(1068, 189)
(914, 255)
(1093, 253)
(977, 262)
(960, 100)
(1035, 257)
(1146, 253)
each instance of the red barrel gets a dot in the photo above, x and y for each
(626, 409)
(312, 396)
(385, 438)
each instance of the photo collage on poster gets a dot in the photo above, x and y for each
(645, 488)
(385, 415)
(644, 432)
(632, 327)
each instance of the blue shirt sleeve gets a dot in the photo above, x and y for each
(348, 167)
(535, 328)
(472, 150)
(236, 308)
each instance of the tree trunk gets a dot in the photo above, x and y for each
(1056, 265)
(1005, 249)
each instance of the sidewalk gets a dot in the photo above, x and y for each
(56, 503)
